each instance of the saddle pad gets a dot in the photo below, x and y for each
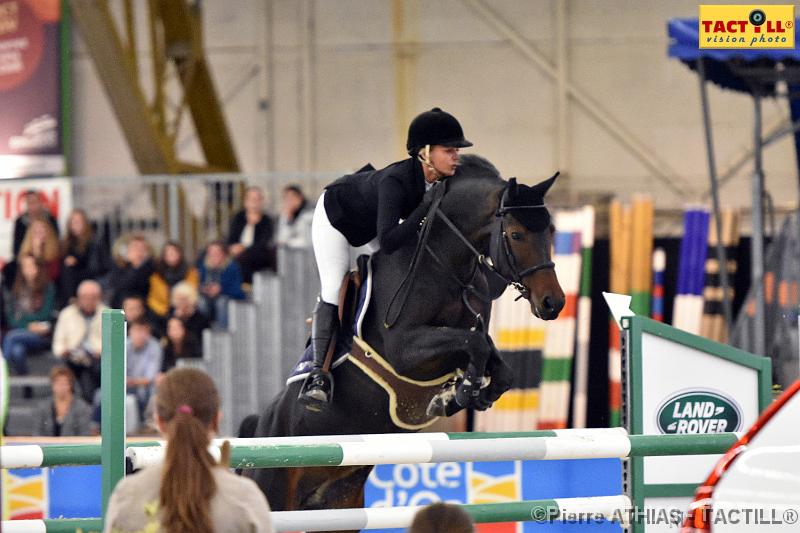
(345, 337)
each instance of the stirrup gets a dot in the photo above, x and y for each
(313, 393)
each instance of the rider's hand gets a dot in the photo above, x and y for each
(436, 190)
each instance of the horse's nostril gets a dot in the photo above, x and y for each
(547, 303)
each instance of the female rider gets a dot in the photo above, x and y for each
(363, 210)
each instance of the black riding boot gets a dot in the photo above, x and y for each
(317, 388)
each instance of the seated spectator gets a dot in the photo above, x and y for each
(135, 309)
(220, 281)
(42, 243)
(29, 312)
(185, 307)
(64, 415)
(84, 256)
(442, 518)
(131, 273)
(179, 344)
(294, 224)
(189, 491)
(170, 270)
(143, 362)
(78, 337)
(250, 236)
(34, 208)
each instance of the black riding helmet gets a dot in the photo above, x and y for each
(435, 127)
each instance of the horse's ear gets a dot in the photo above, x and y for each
(512, 187)
(544, 186)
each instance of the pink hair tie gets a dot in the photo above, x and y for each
(185, 409)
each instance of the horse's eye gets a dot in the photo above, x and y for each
(517, 236)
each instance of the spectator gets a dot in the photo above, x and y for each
(185, 307)
(143, 362)
(135, 309)
(131, 274)
(221, 281)
(29, 311)
(294, 224)
(442, 518)
(42, 243)
(34, 208)
(78, 337)
(188, 492)
(65, 415)
(84, 256)
(171, 269)
(250, 236)
(179, 344)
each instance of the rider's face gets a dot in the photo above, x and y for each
(444, 159)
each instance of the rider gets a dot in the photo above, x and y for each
(363, 210)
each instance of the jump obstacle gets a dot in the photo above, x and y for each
(343, 450)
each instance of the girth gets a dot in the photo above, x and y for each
(408, 398)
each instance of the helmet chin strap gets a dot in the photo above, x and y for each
(424, 157)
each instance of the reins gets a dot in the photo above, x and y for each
(481, 259)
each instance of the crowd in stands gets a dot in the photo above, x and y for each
(58, 283)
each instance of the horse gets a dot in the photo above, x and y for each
(426, 319)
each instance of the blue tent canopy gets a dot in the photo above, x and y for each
(756, 72)
(730, 68)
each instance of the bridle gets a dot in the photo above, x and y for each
(499, 241)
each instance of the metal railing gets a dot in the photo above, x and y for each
(190, 209)
(252, 359)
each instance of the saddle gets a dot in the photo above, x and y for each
(409, 398)
(349, 294)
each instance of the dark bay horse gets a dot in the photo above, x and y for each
(486, 233)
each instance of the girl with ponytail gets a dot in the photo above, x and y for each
(189, 492)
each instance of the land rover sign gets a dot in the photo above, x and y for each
(699, 411)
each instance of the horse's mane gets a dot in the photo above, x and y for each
(473, 166)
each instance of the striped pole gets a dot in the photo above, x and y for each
(61, 525)
(524, 448)
(36, 456)
(620, 222)
(392, 450)
(612, 508)
(659, 266)
(580, 395)
(559, 348)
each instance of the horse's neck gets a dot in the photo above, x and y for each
(474, 222)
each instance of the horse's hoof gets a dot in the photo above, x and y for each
(436, 407)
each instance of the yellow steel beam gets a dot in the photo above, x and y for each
(176, 38)
(150, 149)
(184, 46)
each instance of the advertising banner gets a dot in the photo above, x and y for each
(30, 88)
(74, 492)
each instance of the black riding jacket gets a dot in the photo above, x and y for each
(371, 202)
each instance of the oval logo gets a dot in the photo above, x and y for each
(699, 411)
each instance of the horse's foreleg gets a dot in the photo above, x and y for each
(501, 378)
(420, 351)
(423, 349)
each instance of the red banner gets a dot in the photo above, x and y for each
(30, 87)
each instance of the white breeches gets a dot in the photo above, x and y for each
(335, 257)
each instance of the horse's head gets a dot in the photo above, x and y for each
(521, 244)
(510, 222)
